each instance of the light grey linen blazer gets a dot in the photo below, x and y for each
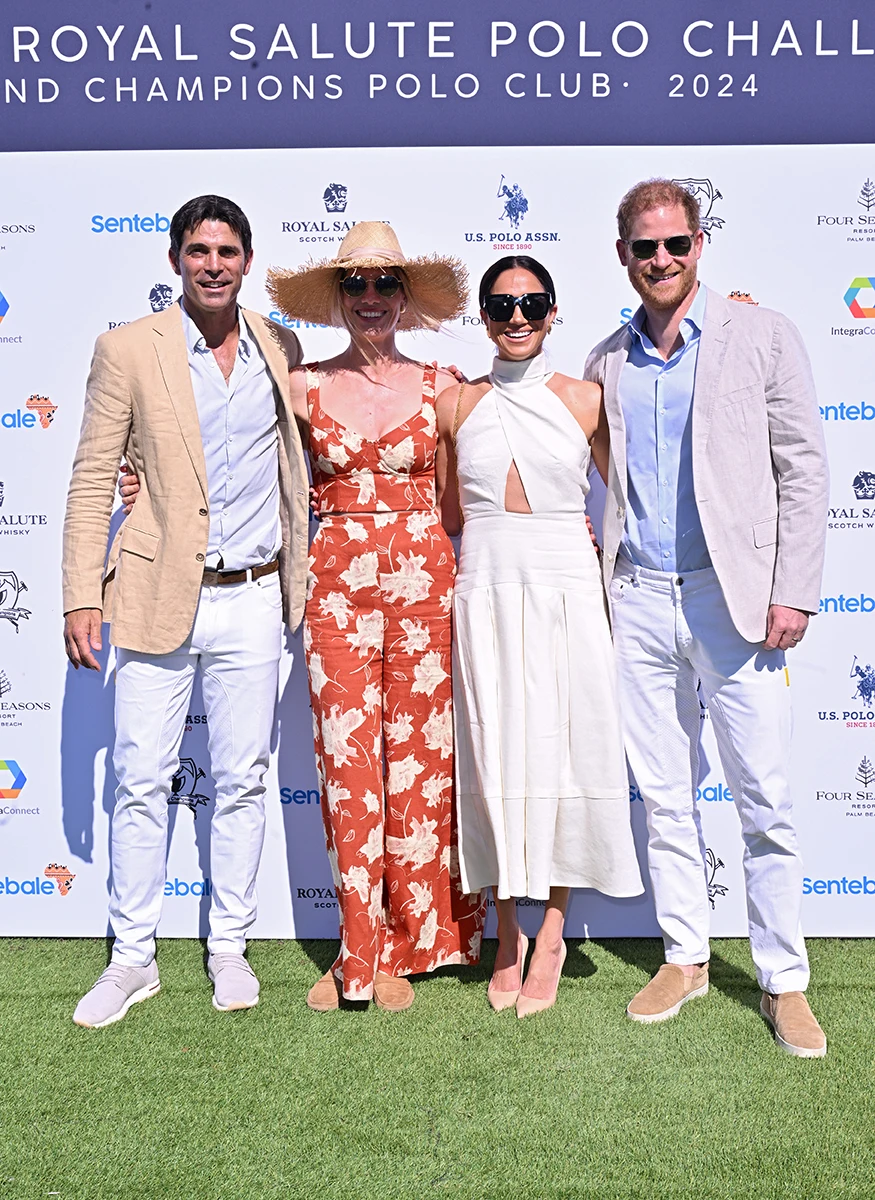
(759, 461)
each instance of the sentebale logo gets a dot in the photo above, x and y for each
(132, 224)
(862, 283)
(19, 779)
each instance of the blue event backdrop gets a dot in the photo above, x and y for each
(474, 130)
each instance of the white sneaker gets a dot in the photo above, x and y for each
(115, 991)
(234, 983)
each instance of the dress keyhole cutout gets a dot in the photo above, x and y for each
(515, 498)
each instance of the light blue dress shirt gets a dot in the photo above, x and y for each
(239, 433)
(663, 530)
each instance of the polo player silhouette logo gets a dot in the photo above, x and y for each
(183, 784)
(863, 485)
(515, 204)
(705, 192)
(865, 677)
(161, 297)
(11, 588)
(335, 197)
(714, 864)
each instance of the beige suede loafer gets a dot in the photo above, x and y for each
(667, 993)
(324, 996)
(392, 993)
(795, 1025)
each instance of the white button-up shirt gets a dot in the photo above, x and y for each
(239, 432)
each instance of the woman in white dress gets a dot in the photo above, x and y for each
(542, 791)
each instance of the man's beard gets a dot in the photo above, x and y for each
(660, 298)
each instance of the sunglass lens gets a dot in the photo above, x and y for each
(679, 246)
(354, 285)
(535, 305)
(387, 285)
(499, 307)
(644, 248)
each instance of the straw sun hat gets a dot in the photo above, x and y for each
(437, 288)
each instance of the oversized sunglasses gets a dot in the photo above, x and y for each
(677, 246)
(384, 285)
(534, 306)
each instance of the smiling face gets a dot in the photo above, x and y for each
(662, 282)
(211, 264)
(517, 338)
(371, 315)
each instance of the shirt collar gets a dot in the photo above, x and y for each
(197, 343)
(690, 325)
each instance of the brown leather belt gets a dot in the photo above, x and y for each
(216, 578)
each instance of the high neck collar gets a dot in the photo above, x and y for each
(529, 370)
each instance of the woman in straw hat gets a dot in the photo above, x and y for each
(377, 626)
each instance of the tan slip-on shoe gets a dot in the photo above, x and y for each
(667, 993)
(392, 993)
(794, 1024)
(324, 996)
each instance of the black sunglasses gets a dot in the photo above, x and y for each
(534, 306)
(677, 246)
(384, 285)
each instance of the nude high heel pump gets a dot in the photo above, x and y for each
(502, 1000)
(526, 1005)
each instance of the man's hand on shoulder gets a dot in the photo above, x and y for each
(785, 627)
(82, 636)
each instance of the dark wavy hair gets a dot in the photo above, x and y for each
(209, 208)
(508, 263)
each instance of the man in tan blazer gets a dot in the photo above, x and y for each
(714, 539)
(200, 578)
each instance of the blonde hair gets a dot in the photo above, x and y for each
(338, 314)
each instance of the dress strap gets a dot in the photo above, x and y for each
(429, 381)
(311, 375)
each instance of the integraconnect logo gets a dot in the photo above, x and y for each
(132, 224)
(184, 783)
(13, 779)
(161, 297)
(863, 283)
(11, 588)
(4, 306)
(713, 864)
(705, 193)
(335, 197)
(40, 413)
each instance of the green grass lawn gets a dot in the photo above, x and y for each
(447, 1099)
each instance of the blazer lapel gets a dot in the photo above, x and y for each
(172, 354)
(616, 360)
(715, 335)
(274, 356)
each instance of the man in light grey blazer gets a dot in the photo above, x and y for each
(714, 538)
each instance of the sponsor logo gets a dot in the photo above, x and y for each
(61, 876)
(11, 588)
(856, 803)
(184, 783)
(704, 191)
(862, 676)
(161, 297)
(335, 197)
(855, 225)
(863, 283)
(714, 793)
(13, 228)
(838, 887)
(864, 485)
(856, 516)
(4, 306)
(713, 864)
(183, 887)
(19, 523)
(848, 604)
(194, 719)
(865, 680)
(40, 410)
(299, 796)
(5, 685)
(514, 233)
(133, 224)
(849, 412)
(14, 779)
(14, 712)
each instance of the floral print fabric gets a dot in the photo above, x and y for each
(377, 639)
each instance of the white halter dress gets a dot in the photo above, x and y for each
(542, 790)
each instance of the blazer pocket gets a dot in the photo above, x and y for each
(765, 533)
(139, 542)
(737, 395)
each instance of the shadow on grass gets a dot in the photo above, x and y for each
(733, 981)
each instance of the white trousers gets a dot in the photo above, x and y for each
(671, 634)
(235, 641)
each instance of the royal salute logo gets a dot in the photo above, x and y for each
(705, 193)
(161, 297)
(11, 588)
(864, 485)
(184, 783)
(335, 197)
(19, 524)
(60, 876)
(850, 516)
(713, 865)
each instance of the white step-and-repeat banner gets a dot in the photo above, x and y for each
(92, 174)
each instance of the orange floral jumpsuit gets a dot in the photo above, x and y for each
(377, 639)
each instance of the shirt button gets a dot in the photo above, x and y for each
(199, 557)
(665, 554)
(662, 410)
(665, 520)
(663, 446)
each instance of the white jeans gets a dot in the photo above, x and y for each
(235, 640)
(672, 633)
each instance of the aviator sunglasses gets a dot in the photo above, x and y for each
(678, 246)
(384, 285)
(534, 306)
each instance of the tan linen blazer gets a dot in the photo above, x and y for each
(759, 461)
(140, 405)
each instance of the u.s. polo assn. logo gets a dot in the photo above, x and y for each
(512, 231)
